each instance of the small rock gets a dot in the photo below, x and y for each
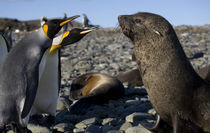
(125, 126)
(132, 102)
(81, 125)
(144, 107)
(137, 129)
(10, 131)
(93, 129)
(86, 123)
(62, 127)
(76, 130)
(38, 129)
(61, 105)
(107, 121)
(135, 117)
(107, 128)
(115, 131)
(152, 111)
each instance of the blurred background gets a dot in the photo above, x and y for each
(105, 12)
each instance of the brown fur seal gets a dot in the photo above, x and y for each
(94, 88)
(133, 76)
(178, 94)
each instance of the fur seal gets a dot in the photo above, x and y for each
(133, 76)
(178, 94)
(96, 88)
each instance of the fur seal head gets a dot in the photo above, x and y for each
(147, 23)
(177, 93)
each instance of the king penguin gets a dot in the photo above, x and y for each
(20, 75)
(3, 48)
(49, 82)
(9, 36)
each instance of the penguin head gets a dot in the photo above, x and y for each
(69, 37)
(52, 27)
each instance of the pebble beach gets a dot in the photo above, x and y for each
(108, 51)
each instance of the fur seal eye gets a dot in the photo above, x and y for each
(138, 20)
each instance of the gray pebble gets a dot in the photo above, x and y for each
(138, 116)
(137, 129)
(93, 129)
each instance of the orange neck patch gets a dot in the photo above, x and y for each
(45, 29)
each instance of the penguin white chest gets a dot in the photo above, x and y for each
(47, 92)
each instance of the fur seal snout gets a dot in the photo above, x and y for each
(178, 94)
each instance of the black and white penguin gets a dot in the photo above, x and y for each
(49, 82)
(20, 75)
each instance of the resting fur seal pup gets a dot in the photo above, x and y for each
(94, 88)
(178, 94)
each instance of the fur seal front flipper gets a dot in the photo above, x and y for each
(178, 94)
(160, 126)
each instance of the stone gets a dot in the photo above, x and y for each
(115, 131)
(125, 126)
(93, 129)
(137, 116)
(76, 130)
(107, 128)
(86, 123)
(137, 129)
(38, 129)
(61, 105)
(62, 127)
(107, 121)
(132, 102)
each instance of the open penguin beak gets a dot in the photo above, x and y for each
(85, 32)
(68, 38)
(68, 20)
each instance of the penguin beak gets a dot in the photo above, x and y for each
(68, 38)
(68, 20)
(54, 47)
(85, 32)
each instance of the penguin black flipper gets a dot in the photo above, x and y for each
(31, 80)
